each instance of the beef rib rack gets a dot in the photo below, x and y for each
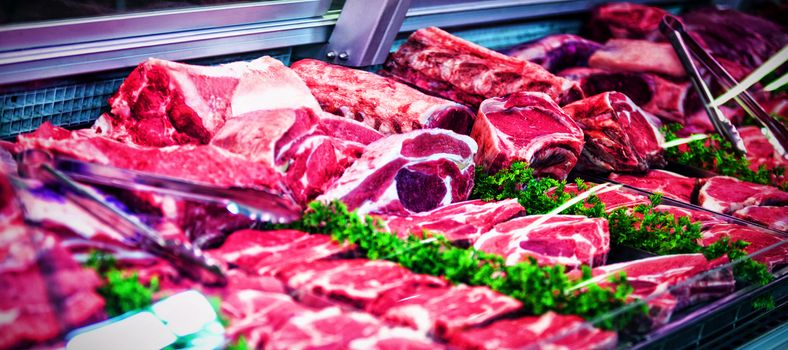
(408, 173)
(530, 127)
(619, 135)
(382, 103)
(445, 65)
(726, 194)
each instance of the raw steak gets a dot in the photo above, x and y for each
(614, 199)
(556, 52)
(759, 150)
(625, 20)
(773, 217)
(442, 311)
(567, 240)
(165, 103)
(330, 328)
(725, 194)
(268, 252)
(619, 136)
(705, 218)
(458, 222)
(393, 339)
(672, 282)
(640, 56)
(380, 102)
(445, 65)
(666, 99)
(773, 258)
(527, 126)
(408, 173)
(357, 282)
(549, 331)
(670, 184)
(257, 315)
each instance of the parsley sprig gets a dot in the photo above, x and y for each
(122, 292)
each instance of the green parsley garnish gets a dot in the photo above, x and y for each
(122, 292)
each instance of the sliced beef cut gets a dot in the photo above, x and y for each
(759, 150)
(705, 218)
(447, 66)
(773, 217)
(458, 222)
(380, 102)
(268, 252)
(442, 312)
(408, 173)
(670, 184)
(527, 126)
(773, 258)
(726, 194)
(165, 103)
(556, 52)
(395, 338)
(347, 129)
(613, 199)
(625, 20)
(619, 136)
(672, 282)
(330, 328)
(567, 240)
(357, 282)
(257, 315)
(548, 331)
(639, 56)
(668, 100)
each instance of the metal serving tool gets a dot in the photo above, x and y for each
(672, 28)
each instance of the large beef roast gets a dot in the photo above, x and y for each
(619, 135)
(445, 65)
(530, 127)
(380, 102)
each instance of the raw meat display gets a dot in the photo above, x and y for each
(672, 282)
(706, 219)
(268, 252)
(639, 56)
(395, 338)
(725, 194)
(530, 127)
(380, 102)
(408, 173)
(666, 99)
(445, 65)
(566, 240)
(619, 136)
(257, 315)
(357, 282)
(459, 222)
(758, 239)
(759, 150)
(556, 52)
(327, 328)
(549, 331)
(773, 217)
(625, 20)
(670, 184)
(165, 103)
(442, 312)
(614, 199)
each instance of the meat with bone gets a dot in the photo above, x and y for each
(257, 315)
(527, 126)
(165, 103)
(773, 258)
(380, 102)
(556, 52)
(670, 184)
(268, 252)
(548, 331)
(459, 222)
(672, 282)
(357, 282)
(638, 56)
(408, 173)
(619, 136)
(666, 99)
(567, 240)
(725, 194)
(625, 20)
(445, 65)
(442, 312)
(773, 217)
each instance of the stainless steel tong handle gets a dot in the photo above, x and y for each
(672, 28)
(39, 164)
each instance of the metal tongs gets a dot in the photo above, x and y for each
(44, 166)
(687, 47)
